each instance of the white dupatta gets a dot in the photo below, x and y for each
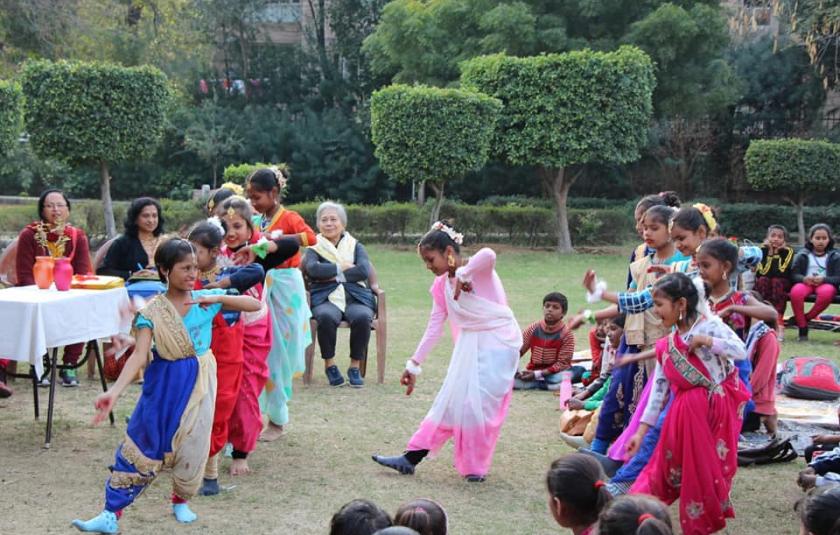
(342, 255)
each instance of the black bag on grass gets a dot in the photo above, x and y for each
(775, 451)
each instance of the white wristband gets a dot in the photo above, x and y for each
(600, 288)
(413, 368)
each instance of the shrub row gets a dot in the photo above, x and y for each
(514, 224)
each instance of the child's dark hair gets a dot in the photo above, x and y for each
(171, 252)
(661, 214)
(241, 207)
(424, 516)
(691, 219)
(721, 250)
(218, 198)
(820, 512)
(207, 235)
(782, 228)
(811, 232)
(665, 198)
(266, 179)
(676, 286)
(43, 199)
(134, 209)
(557, 297)
(438, 240)
(635, 514)
(359, 517)
(577, 480)
(618, 320)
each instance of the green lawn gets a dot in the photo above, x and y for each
(324, 460)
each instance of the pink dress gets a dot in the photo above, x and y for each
(697, 454)
(472, 403)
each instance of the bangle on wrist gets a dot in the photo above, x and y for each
(595, 296)
(412, 367)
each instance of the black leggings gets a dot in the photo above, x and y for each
(359, 317)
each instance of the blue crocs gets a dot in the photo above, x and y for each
(183, 513)
(104, 522)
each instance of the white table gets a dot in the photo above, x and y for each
(33, 321)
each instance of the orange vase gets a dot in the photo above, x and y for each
(42, 271)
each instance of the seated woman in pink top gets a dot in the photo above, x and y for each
(473, 401)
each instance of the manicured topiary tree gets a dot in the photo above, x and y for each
(431, 135)
(94, 114)
(795, 168)
(562, 111)
(11, 107)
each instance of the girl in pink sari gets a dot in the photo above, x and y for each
(696, 457)
(472, 403)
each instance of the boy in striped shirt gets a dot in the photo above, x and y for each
(552, 345)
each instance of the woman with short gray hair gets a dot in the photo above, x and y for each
(338, 268)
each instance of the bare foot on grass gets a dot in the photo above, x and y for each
(239, 467)
(271, 433)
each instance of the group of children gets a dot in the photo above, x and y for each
(225, 341)
(686, 355)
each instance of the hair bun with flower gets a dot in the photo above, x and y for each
(216, 222)
(457, 237)
(707, 214)
(235, 188)
(280, 177)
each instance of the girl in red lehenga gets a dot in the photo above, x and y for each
(696, 458)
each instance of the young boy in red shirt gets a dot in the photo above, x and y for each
(552, 345)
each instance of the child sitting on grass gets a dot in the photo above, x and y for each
(359, 517)
(590, 399)
(424, 516)
(820, 513)
(552, 345)
(577, 492)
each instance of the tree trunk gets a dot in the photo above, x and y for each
(800, 220)
(438, 189)
(105, 187)
(559, 182)
(421, 193)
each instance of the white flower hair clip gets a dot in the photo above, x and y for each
(280, 176)
(457, 237)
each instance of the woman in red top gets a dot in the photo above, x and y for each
(53, 236)
(285, 293)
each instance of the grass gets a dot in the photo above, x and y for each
(324, 459)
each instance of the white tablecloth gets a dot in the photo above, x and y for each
(33, 320)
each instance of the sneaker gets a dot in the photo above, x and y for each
(335, 377)
(472, 478)
(68, 378)
(355, 377)
(399, 463)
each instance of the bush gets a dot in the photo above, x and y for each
(238, 174)
(11, 117)
(750, 221)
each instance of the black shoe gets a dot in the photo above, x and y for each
(399, 463)
(335, 377)
(210, 487)
(472, 478)
(354, 376)
(803, 334)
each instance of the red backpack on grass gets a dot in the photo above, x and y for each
(810, 378)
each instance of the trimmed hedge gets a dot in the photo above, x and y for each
(238, 174)
(403, 223)
(11, 115)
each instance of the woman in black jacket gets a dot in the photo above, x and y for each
(133, 253)
(816, 270)
(337, 267)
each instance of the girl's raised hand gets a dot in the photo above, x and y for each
(590, 280)
(461, 286)
(634, 444)
(104, 404)
(408, 380)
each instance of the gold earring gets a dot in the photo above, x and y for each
(451, 261)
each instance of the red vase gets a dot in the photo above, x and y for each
(42, 271)
(62, 274)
